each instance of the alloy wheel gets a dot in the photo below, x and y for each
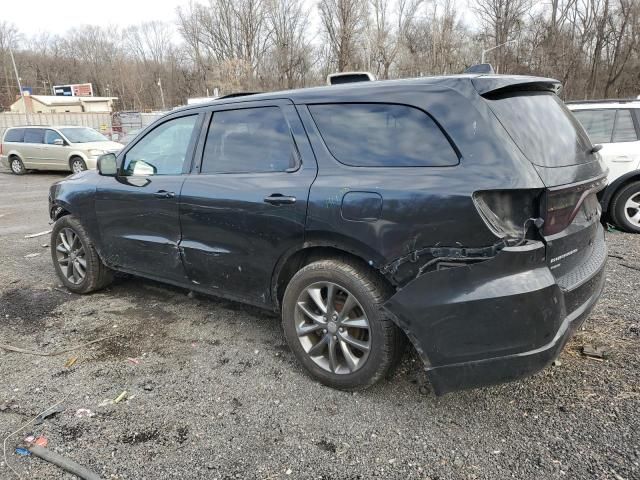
(77, 166)
(632, 209)
(333, 328)
(71, 257)
(16, 166)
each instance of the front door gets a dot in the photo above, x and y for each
(56, 156)
(247, 205)
(137, 210)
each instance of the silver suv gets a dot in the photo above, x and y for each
(53, 148)
(615, 124)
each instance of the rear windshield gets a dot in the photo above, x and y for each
(543, 128)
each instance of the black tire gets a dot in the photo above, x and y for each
(386, 340)
(77, 164)
(16, 165)
(618, 207)
(97, 275)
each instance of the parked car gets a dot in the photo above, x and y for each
(127, 137)
(615, 124)
(459, 212)
(53, 148)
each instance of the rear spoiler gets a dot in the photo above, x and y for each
(494, 84)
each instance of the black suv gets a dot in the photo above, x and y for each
(457, 212)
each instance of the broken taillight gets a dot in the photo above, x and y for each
(507, 212)
(562, 204)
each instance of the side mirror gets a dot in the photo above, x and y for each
(107, 165)
(58, 141)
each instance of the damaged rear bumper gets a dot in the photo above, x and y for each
(498, 320)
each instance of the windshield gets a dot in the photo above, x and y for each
(542, 127)
(83, 135)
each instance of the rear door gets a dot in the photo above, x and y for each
(137, 211)
(617, 132)
(246, 206)
(33, 148)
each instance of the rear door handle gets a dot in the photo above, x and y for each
(279, 199)
(164, 194)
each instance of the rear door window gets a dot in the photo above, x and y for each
(625, 130)
(15, 135)
(382, 135)
(542, 127)
(598, 124)
(34, 135)
(250, 140)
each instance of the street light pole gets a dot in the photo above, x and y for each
(497, 46)
(24, 103)
(161, 93)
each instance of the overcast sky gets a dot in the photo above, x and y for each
(35, 16)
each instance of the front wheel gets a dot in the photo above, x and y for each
(334, 325)
(78, 165)
(625, 207)
(75, 258)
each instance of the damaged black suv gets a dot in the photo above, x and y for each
(457, 212)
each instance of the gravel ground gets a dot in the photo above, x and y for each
(213, 391)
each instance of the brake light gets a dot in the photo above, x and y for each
(561, 205)
(507, 212)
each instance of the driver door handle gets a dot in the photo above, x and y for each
(164, 194)
(279, 199)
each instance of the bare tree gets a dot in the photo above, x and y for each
(343, 22)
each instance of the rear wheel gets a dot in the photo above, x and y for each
(17, 166)
(334, 325)
(77, 165)
(625, 207)
(75, 258)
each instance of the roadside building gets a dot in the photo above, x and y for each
(61, 104)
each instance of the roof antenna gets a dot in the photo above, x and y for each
(480, 68)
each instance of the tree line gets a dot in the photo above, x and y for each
(225, 46)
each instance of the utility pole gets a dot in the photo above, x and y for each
(24, 103)
(161, 93)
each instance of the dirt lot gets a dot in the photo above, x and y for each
(213, 391)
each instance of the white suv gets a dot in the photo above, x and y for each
(615, 124)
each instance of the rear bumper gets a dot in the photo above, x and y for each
(498, 320)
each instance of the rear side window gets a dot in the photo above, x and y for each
(598, 123)
(51, 136)
(15, 135)
(382, 135)
(34, 135)
(542, 127)
(625, 130)
(250, 140)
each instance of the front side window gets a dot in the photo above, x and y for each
(51, 136)
(162, 151)
(249, 140)
(625, 130)
(15, 135)
(597, 123)
(382, 135)
(34, 135)
(83, 135)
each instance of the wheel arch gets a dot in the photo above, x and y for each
(615, 186)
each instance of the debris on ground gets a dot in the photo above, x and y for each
(631, 266)
(7, 405)
(39, 234)
(120, 397)
(84, 412)
(41, 441)
(23, 452)
(48, 413)
(599, 353)
(69, 363)
(133, 361)
(32, 255)
(556, 363)
(52, 354)
(63, 462)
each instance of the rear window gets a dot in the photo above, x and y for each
(608, 125)
(14, 135)
(382, 135)
(542, 127)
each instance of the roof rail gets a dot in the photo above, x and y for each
(237, 94)
(605, 100)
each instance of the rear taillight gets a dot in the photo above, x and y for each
(561, 205)
(0, 148)
(509, 213)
